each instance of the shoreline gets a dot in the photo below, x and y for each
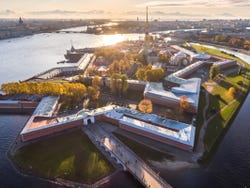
(178, 164)
(174, 165)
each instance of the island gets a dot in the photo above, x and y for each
(134, 106)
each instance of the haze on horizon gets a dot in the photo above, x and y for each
(126, 9)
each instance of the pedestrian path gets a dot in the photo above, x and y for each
(136, 166)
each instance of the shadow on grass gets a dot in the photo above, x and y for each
(143, 151)
(218, 126)
(70, 156)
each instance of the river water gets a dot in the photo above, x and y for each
(21, 58)
(229, 166)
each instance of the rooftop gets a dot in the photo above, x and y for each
(174, 130)
(184, 136)
(46, 107)
(190, 88)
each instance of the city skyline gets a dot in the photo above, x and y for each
(126, 9)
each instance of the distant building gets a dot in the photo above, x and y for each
(20, 21)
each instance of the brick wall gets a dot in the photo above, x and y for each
(169, 103)
(50, 130)
(156, 137)
(107, 119)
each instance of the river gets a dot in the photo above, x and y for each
(21, 58)
(230, 164)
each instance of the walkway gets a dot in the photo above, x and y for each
(136, 166)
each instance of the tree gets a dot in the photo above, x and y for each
(236, 42)
(221, 38)
(140, 74)
(120, 66)
(184, 104)
(109, 53)
(154, 75)
(96, 82)
(118, 83)
(145, 106)
(91, 71)
(247, 44)
(164, 58)
(214, 71)
(93, 93)
(149, 74)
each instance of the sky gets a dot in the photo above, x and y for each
(126, 9)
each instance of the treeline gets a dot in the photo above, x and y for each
(148, 74)
(110, 53)
(71, 93)
(119, 84)
(233, 41)
(44, 88)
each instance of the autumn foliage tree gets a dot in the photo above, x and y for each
(94, 90)
(109, 53)
(184, 104)
(231, 92)
(93, 93)
(71, 93)
(145, 106)
(96, 82)
(164, 58)
(44, 88)
(120, 66)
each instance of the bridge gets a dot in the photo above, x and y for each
(129, 160)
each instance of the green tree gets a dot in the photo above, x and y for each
(154, 75)
(140, 74)
(118, 83)
(214, 71)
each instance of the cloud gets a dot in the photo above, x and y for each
(95, 12)
(63, 12)
(226, 15)
(134, 12)
(6, 12)
(179, 14)
(196, 3)
(52, 12)
(162, 13)
(171, 3)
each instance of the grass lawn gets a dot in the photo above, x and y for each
(134, 95)
(211, 51)
(70, 156)
(219, 98)
(143, 151)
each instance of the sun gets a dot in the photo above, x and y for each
(112, 39)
